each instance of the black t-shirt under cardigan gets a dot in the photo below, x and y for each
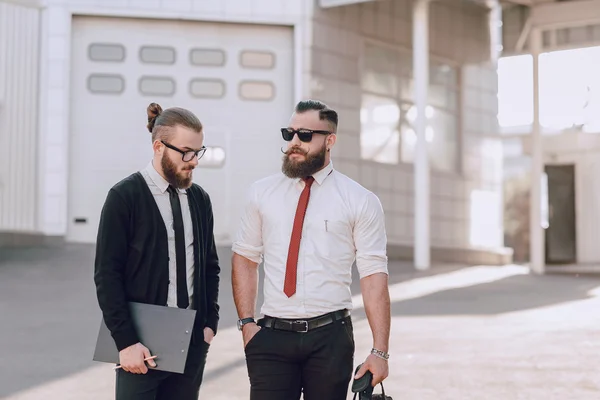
(132, 259)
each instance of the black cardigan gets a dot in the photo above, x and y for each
(132, 260)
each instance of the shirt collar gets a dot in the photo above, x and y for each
(160, 182)
(321, 174)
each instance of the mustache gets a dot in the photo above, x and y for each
(293, 150)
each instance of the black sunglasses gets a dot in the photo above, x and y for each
(186, 155)
(305, 135)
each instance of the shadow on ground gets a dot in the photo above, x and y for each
(50, 317)
(514, 293)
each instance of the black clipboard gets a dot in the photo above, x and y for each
(165, 331)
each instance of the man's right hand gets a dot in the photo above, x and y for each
(132, 359)
(248, 331)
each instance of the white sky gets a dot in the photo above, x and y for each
(565, 77)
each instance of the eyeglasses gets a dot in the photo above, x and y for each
(186, 155)
(305, 135)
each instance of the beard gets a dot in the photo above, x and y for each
(301, 169)
(179, 180)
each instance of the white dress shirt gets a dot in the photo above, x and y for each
(344, 222)
(158, 186)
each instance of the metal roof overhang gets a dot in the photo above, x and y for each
(544, 14)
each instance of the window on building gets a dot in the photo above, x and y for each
(380, 135)
(388, 114)
(214, 157)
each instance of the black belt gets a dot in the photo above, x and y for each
(302, 325)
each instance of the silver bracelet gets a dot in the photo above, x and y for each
(381, 354)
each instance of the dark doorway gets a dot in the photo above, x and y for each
(561, 244)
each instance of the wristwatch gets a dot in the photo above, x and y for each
(244, 321)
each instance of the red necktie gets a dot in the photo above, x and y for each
(289, 287)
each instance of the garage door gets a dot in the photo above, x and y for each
(237, 78)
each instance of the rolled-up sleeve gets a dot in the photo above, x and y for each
(248, 242)
(370, 238)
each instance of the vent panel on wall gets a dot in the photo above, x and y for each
(19, 60)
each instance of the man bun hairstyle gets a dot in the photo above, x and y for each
(325, 113)
(161, 122)
(153, 111)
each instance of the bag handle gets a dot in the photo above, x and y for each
(382, 392)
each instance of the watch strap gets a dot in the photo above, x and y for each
(244, 321)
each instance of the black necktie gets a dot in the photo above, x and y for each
(182, 293)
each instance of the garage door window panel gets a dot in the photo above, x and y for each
(106, 52)
(207, 57)
(106, 84)
(257, 59)
(157, 55)
(257, 90)
(157, 86)
(207, 88)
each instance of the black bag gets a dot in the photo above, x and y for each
(362, 387)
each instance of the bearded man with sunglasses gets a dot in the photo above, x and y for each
(156, 245)
(309, 225)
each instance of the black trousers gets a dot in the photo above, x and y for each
(319, 363)
(162, 385)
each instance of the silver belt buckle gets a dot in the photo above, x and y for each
(305, 324)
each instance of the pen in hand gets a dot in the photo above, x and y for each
(145, 359)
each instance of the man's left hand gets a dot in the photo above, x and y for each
(208, 335)
(377, 366)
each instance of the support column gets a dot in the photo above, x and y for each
(536, 235)
(421, 161)
(495, 26)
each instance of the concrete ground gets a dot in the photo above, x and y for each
(458, 333)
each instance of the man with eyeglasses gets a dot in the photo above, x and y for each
(156, 245)
(309, 225)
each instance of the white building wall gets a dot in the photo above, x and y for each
(55, 59)
(482, 162)
(587, 213)
(327, 51)
(459, 35)
(583, 151)
(19, 62)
